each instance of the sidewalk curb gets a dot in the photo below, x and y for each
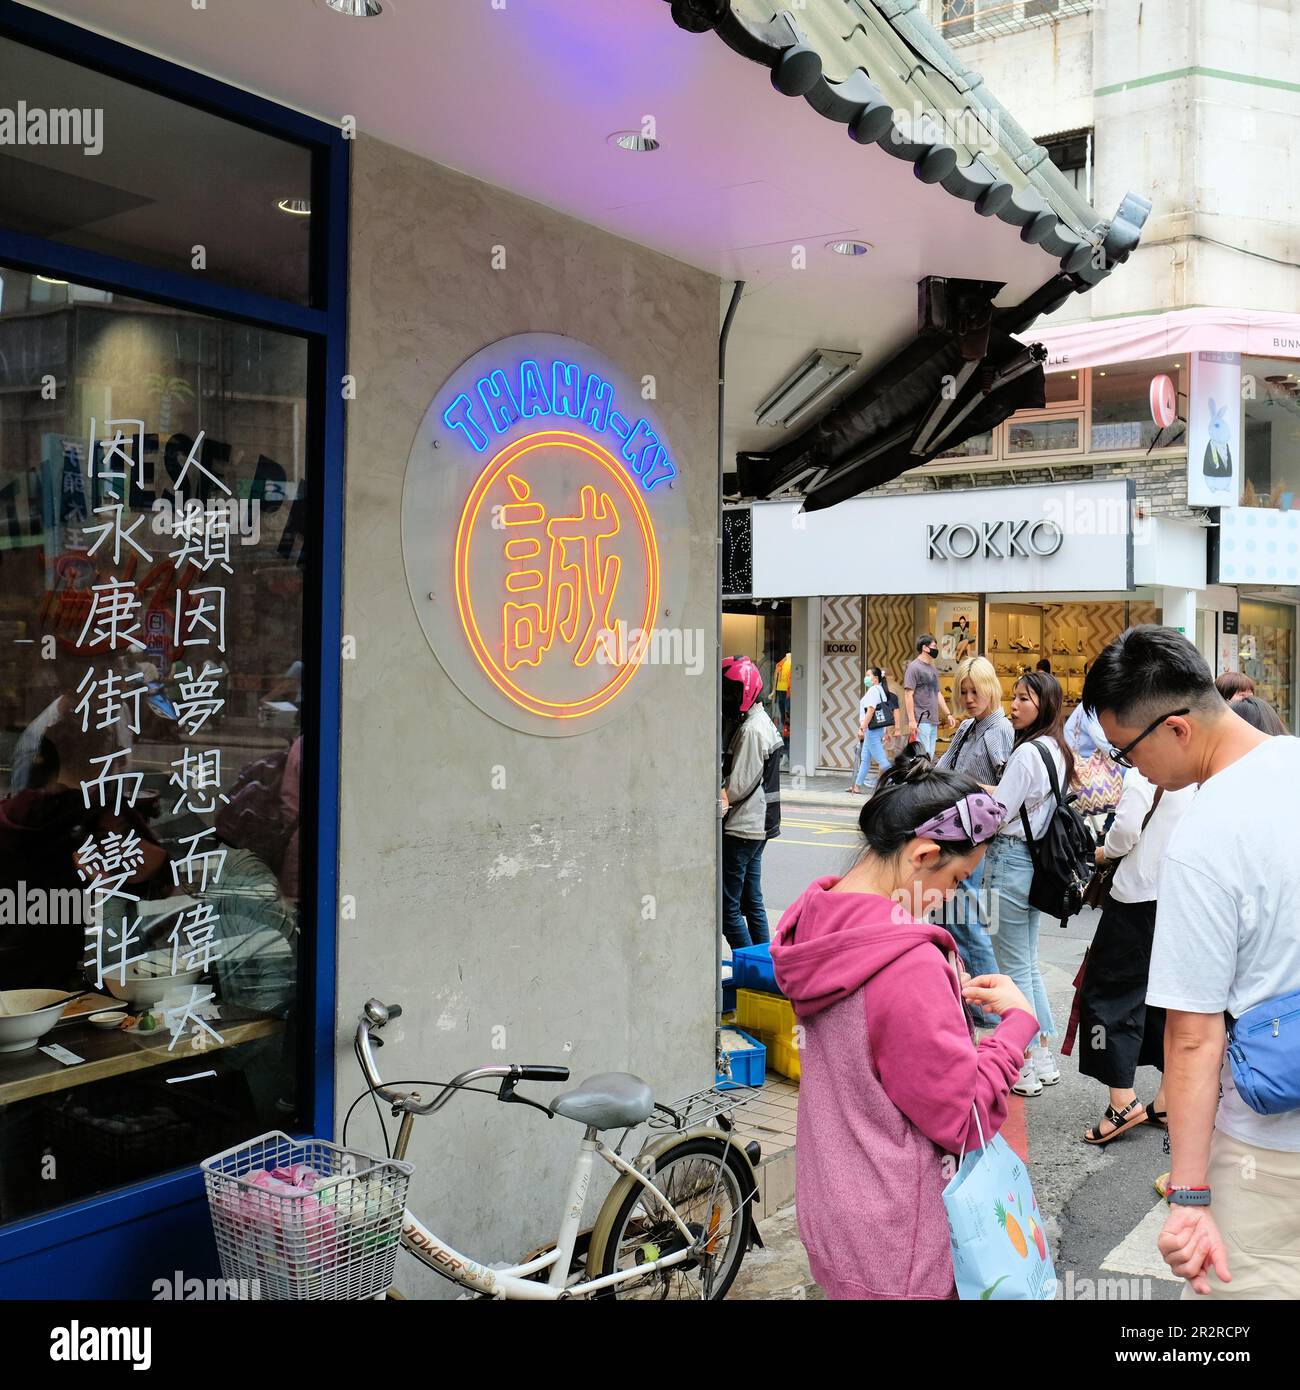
(821, 799)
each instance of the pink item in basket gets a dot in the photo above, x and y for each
(299, 1175)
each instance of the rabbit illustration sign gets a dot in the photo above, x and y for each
(1214, 434)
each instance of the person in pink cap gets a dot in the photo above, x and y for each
(892, 1078)
(750, 801)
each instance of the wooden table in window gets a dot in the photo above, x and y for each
(24, 1075)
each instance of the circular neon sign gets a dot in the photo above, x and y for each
(534, 499)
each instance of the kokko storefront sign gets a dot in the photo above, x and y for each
(540, 513)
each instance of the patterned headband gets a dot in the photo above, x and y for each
(976, 818)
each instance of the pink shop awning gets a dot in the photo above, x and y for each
(1098, 344)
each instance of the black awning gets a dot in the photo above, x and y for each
(962, 375)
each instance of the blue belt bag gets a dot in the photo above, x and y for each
(1264, 1050)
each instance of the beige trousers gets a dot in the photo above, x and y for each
(1257, 1209)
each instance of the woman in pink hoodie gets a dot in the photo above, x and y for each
(892, 1076)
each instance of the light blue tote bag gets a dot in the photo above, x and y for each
(999, 1249)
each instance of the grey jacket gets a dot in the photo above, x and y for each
(757, 740)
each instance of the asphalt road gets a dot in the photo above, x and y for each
(1102, 1214)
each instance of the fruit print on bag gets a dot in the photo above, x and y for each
(1012, 1227)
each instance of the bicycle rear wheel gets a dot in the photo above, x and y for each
(711, 1203)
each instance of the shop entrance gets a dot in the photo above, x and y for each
(1266, 647)
(1068, 635)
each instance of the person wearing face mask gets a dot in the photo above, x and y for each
(876, 711)
(979, 749)
(1025, 789)
(925, 702)
(892, 1078)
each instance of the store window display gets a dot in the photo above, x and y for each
(1266, 647)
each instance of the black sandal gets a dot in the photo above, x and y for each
(1120, 1119)
(1159, 1118)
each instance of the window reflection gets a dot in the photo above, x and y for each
(152, 496)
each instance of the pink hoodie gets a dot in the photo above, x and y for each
(889, 1075)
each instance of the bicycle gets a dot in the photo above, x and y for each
(682, 1207)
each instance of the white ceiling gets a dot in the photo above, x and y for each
(524, 97)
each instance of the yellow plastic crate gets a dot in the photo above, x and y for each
(783, 1056)
(762, 1013)
(773, 1021)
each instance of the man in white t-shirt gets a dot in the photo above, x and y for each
(1227, 938)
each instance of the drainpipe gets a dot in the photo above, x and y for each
(736, 292)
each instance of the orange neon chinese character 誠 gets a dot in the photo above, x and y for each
(540, 587)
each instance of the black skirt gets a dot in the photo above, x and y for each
(1118, 1032)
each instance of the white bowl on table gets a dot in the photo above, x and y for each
(26, 1016)
(143, 989)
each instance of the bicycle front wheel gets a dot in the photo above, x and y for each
(710, 1186)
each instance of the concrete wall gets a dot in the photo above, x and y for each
(525, 909)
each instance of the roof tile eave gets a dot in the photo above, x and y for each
(1008, 175)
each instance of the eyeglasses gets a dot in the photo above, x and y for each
(1121, 755)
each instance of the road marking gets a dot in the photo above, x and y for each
(814, 844)
(1138, 1252)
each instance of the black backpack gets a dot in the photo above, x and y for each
(1064, 858)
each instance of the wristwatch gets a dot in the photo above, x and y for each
(1188, 1196)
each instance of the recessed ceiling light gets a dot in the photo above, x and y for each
(355, 9)
(295, 207)
(633, 140)
(50, 280)
(849, 248)
(1101, 373)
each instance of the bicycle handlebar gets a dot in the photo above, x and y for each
(376, 1015)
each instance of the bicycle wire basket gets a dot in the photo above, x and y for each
(305, 1220)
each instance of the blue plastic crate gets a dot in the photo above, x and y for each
(748, 1066)
(728, 990)
(751, 968)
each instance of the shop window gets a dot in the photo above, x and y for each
(978, 446)
(1121, 405)
(153, 474)
(1271, 427)
(1266, 652)
(1063, 388)
(1061, 434)
(109, 167)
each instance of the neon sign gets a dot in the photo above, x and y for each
(565, 390)
(561, 574)
(534, 514)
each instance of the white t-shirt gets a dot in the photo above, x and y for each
(1228, 911)
(1142, 851)
(1025, 783)
(875, 696)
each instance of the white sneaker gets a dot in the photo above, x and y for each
(1028, 1083)
(1044, 1065)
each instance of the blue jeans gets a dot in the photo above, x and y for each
(926, 735)
(873, 750)
(961, 916)
(744, 918)
(1013, 924)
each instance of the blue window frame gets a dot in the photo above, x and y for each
(82, 1250)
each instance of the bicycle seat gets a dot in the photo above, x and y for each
(608, 1100)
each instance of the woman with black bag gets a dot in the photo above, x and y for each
(1118, 1032)
(1026, 790)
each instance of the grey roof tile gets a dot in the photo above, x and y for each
(878, 67)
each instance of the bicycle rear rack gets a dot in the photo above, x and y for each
(699, 1108)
